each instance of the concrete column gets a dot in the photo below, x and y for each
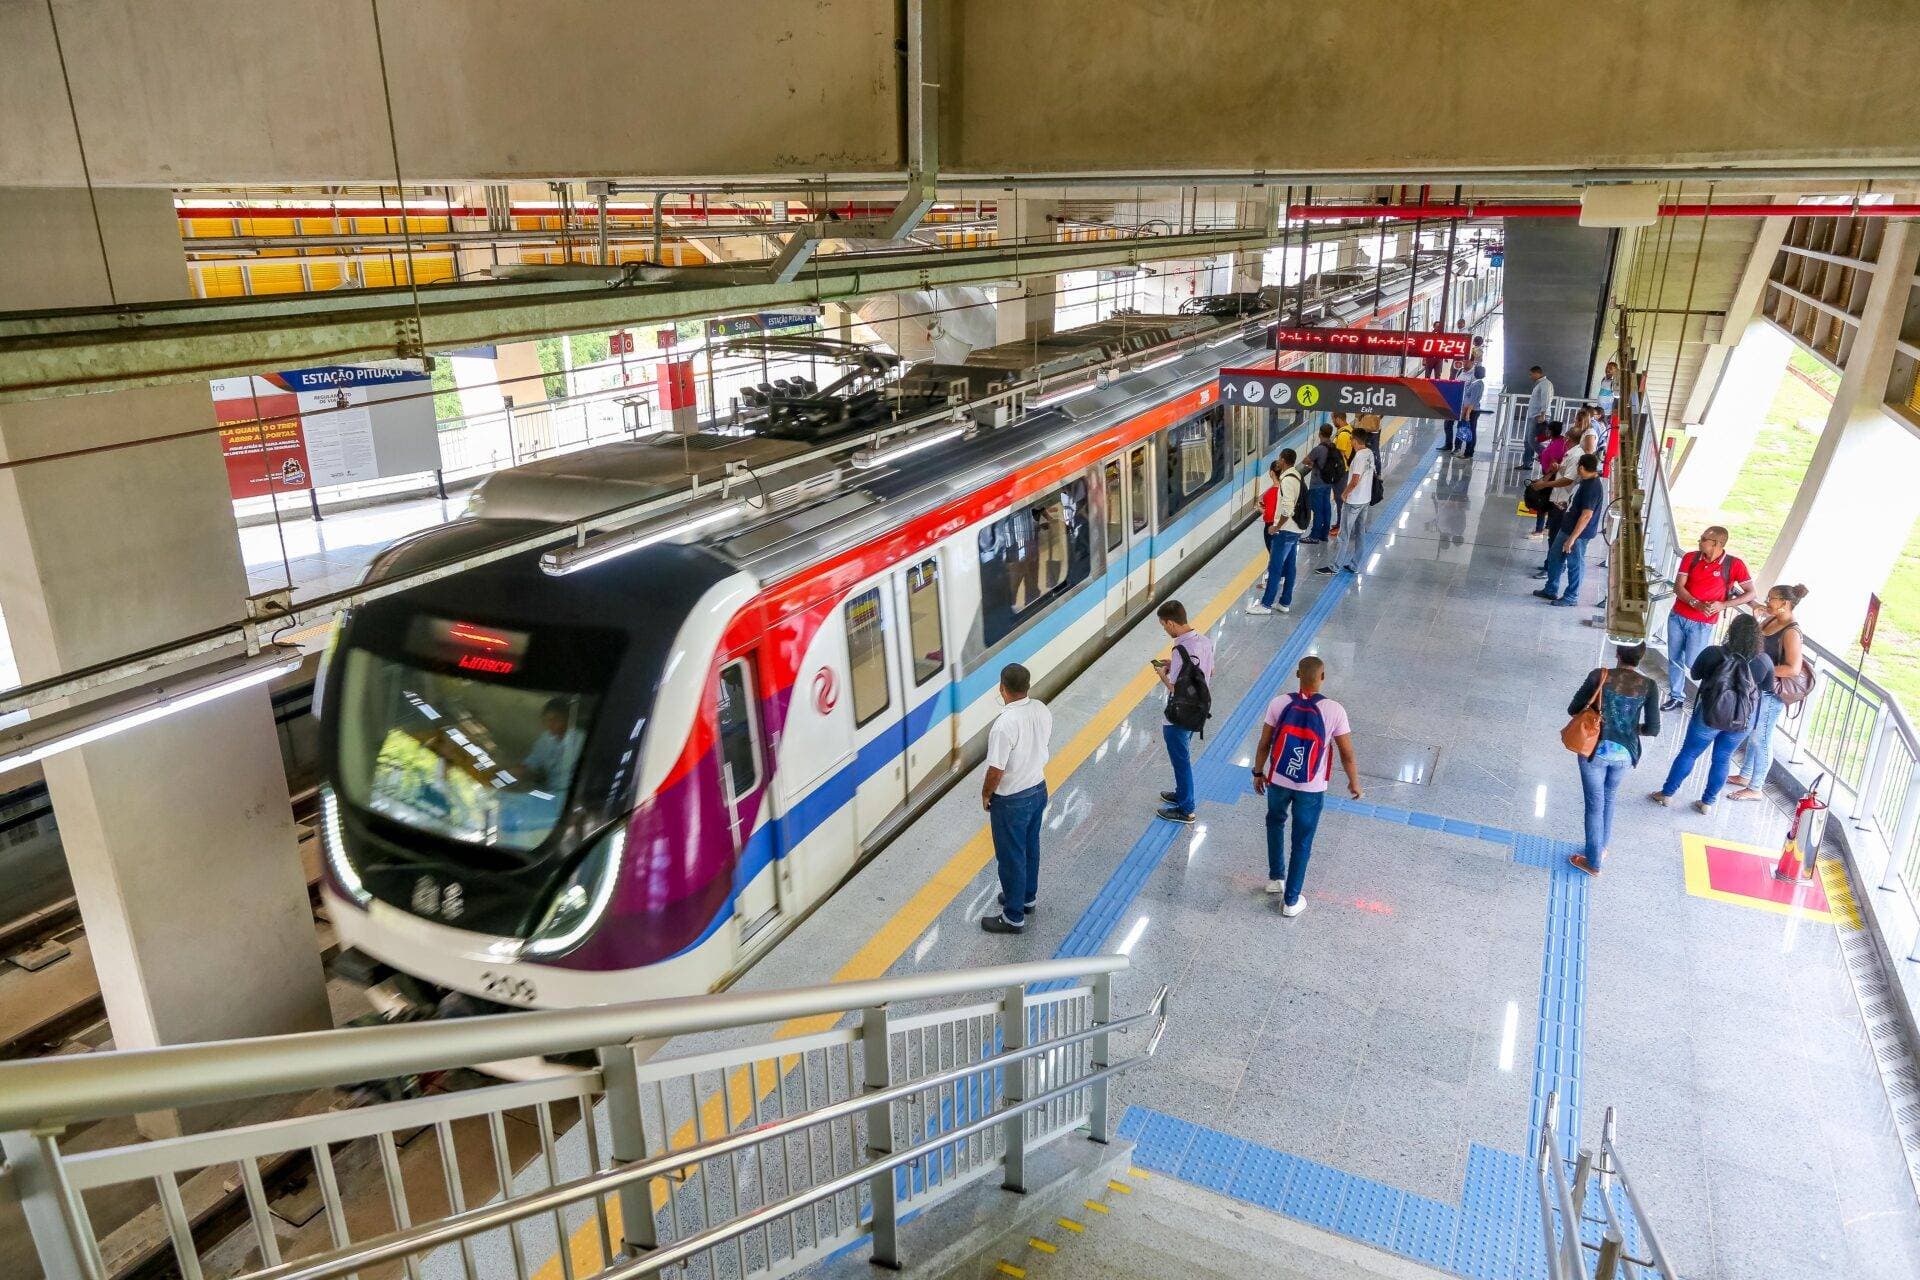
(1735, 412)
(1024, 309)
(1855, 506)
(178, 834)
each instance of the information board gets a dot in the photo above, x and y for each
(337, 424)
(1375, 342)
(1344, 393)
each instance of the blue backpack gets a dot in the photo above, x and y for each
(1300, 743)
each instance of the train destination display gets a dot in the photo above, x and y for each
(1375, 342)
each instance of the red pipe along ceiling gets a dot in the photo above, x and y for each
(1571, 209)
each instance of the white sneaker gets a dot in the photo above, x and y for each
(1283, 608)
(1536, 537)
(1294, 908)
(1257, 607)
(1276, 886)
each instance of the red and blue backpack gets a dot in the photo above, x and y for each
(1300, 742)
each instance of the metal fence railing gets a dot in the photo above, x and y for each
(1850, 729)
(737, 1162)
(1597, 1212)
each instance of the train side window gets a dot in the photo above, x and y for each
(739, 746)
(1116, 514)
(1194, 457)
(923, 621)
(1276, 426)
(867, 656)
(1030, 556)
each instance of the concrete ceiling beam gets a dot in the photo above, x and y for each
(47, 355)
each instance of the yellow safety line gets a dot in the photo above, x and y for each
(1833, 878)
(1095, 1205)
(1121, 1187)
(1008, 1269)
(1142, 1174)
(891, 940)
(1044, 1246)
(1071, 1225)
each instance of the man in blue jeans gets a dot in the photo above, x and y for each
(1189, 646)
(1292, 767)
(1578, 525)
(1710, 584)
(1320, 494)
(1014, 794)
(1277, 508)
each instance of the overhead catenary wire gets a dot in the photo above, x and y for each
(80, 147)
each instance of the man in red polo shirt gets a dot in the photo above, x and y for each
(1709, 584)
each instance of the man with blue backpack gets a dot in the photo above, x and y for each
(1293, 765)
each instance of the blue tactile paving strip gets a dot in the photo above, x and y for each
(1494, 1233)
(1216, 765)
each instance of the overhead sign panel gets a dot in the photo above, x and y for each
(1346, 393)
(1375, 342)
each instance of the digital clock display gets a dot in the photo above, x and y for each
(1375, 342)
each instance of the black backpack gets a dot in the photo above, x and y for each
(1379, 494)
(1302, 513)
(1333, 467)
(1190, 705)
(1729, 695)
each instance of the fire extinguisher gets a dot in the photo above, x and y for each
(1802, 833)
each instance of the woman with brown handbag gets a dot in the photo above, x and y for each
(1612, 711)
(1792, 682)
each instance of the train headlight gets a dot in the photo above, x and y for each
(333, 844)
(583, 899)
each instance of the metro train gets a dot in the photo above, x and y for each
(629, 781)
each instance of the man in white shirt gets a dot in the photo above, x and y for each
(1539, 412)
(1356, 503)
(1014, 794)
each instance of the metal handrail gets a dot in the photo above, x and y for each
(472, 1222)
(56, 1091)
(1564, 1248)
(1619, 1170)
(1872, 752)
(668, 1255)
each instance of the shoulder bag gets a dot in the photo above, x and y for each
(1582, 734)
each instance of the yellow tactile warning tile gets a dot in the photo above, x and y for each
(1076, 1227)
(892, 939)
(1840, 900)
(1043, 1246)
(1006, 1268)
(1141, 1174)
(1121, 1187)
(1096, 1206)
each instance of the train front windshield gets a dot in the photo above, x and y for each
(463, 756)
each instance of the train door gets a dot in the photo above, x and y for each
(879, 717)
(922, 670)
(1139, 528)
(741, 743)
(1246, 428)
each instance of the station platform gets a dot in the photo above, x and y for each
(1378, 1065)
